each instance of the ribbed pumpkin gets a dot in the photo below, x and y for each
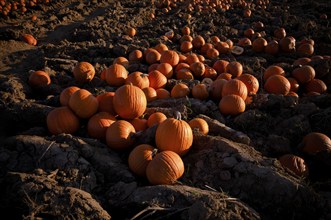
(294, 163)
(216, 88)
(277, 84)
(235, 87)
(140, 157)
(156, 118)
(200, 91)
(169, 56)
(184, 74)
(165, 168)
(129, 102)
(163, 93)
(83, 72)
(181, 66)
(150, 94)
(98, 124)
(234, 68)
(316, 85)
(122, 61)
(180, 90)
(152, 56)
(66, 94)
(139, 124)
(192, 58)
(304, 74)
(220, 66)
(273, 70)
(232, 105)
(106, 102)
(157, 79)
(251, 83)
(166, 69)
(39, 79)
(315, 142)
(83, 103)
(116, 75)
(174, 135)
(200, 125)
(138, 79)
(118, 135)
(62, 120)
(198, 69)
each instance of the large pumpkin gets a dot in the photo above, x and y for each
(174, 135)
(235, 87)
(62, 120)
(140, 157)
(251, 83)
(83, 103)
(165, 168)
(116, 75)
(138, 79)
(232, 105)
(118, 135)
(84, 72)
(129, 102)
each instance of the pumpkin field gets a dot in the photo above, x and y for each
(165, 109)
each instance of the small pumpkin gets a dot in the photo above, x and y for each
(169, 56)
(272, 47)
(199, 125)
(316, 85)
(97, 125)
(140, 157)
(39, 79)
(83, 103)
(304, 74)
(220, 66)
(216, 88)
(200, 91)
(166, 69)
(273, 70)
(235, 87)
(139, 124)
(294, 163)
(163, 93)
(305, 49)
(136, 56)
(259, 44)
(165, 168)
(277, 84)
(198, 42)
(212, 53)
(198, 69)
(157, 79)
(116, 75)
(251, 83)
(62, 120)
(232, 105)
(150, 94)
(121, 60)
(234, 68)
(315, 142)
(118, 135)
(129, 102)
(184, 73)
(161, 47)
(180, 90)
(83, 72)
(294, 84)
(131, 31)
(152, 56)
(29, 39)
(186, 46)
(280, 33)
(210, 72)
(156, 118)
(138, 79)
(106, 102)
(192, 58)
(287, 44)
(66, 94)
(174, 135)
(249, 32)
(205, 48)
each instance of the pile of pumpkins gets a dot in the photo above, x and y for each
(8, 7)
(115, 116)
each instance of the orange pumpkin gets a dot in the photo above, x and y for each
(66, 94)
(140, 157)
(235, 87)
(259, 44)
(304, 74)
(220, 66)
(232, 105)
(251, 83)
(150, 94)
(287, 44)
(156, 118)
(29, 39)
(212, 53)
(272, 47)
(294, 163)
(200, 91)
(277, 84)
(206, 47)
(234, 68)
(305, 49)
(180, 90)
(106, 102)
(192, 58)
(139, 124)
(166, 69)
(200, 125)
(280, 33)
(98, 124)
(116, 75)
(222, 47)
(175, 135)
(198, 42)
(152, 56)
(165, 168)
(161, 47)
(315, 142)
(129, 102)
(273, 70)
(186, 30)
(216, 88)
(187, 38)
(118, 135)
(122, 60)
(138, 79)
(198, 69)
(131, 31)
(294, 84)
(210, 72)
(136, 56)
(83, 72)
(316, 85)
(301, 61)
(39, 79)
(83, 103)
(226, 76)
(157, 79)
(186, 46)
(184, 73)
(169, 56)
(163, 93)
(62, 120)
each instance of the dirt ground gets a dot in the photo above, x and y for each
(232, 173)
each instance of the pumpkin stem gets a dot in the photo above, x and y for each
(154, 152)
(178, 115)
